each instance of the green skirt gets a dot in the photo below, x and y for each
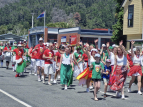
(65, 74)
(20, 68)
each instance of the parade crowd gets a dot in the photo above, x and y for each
(87, 63)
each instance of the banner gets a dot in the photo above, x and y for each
(73, 40)
(63, 39)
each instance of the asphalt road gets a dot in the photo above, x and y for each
(29, 91)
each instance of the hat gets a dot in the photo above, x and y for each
(19, 43)
(113, 45)
(24, 41)
(103, 45)
(41, 39)
(94, 50)
(78, 47)
(129, 51)
(134, 49)
(97, 55)
(110, 47)
(47, 44)
(108, 60)
(55, 42)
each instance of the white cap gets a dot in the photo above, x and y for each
(20, 43)
(47, 44)
(129, 51)
(103, 45)
(108, 60)
(55, 42)
(97, 55)
(41, 39)
(134, 49)
(94, 50)
(113, 45)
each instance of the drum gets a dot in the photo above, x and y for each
(19, 61)
(8, 56)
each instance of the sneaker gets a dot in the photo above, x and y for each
(65, 88)
(55, 81)
(58, 76)
(123, 97)
(39, 79)
(51, 80)
(139, 92)
(16, 75)
(105, 95)
(42, 77)
(35, 74)
(129, 90)
(30, 73)
(49, 83)
(43, 81)
(87, 90)
(91, 87)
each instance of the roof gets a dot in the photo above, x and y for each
(124, 3)
(9, 36)
(100, 29)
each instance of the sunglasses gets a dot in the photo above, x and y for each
(40, 41)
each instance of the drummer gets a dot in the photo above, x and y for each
(19, 53)
(5, 50)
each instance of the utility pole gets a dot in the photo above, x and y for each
(32, 18)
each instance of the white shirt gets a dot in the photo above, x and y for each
(112, 58)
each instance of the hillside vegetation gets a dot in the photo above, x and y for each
(88, 14)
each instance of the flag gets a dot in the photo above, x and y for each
(41, 15)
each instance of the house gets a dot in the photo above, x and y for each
(133, 20)
(69, 35)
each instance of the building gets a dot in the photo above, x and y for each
(133, 20)
(11, 38)
(70, 35)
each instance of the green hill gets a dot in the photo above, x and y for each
(89, 14)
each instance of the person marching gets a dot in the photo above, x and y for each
(120, 67)
(48, 55)
(136, 70)
(106, 75)
(112, 52)
(14, 57)
(7, 54)
(104, 54)
(57, 59)
(1, 53)
(97, 68)
(40, 48)
(33, 61)
(65, 67)
(20, 65)
(78, 67)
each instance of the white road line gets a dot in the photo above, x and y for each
(110, 94)
(14, 98)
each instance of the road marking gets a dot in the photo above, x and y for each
(14, 98)
(111, 94)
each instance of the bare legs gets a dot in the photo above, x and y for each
(132, 80)
(96, 88)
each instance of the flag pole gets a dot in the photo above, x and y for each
(44, 22)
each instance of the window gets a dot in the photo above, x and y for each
(52, 38)
(130, 15)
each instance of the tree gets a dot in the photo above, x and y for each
(118, 27)
(3, 29)
(18, 29)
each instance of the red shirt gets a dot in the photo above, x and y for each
(58, 56)
(85, 57)
(19, 53)
(7, 48)
(48, 53)
(27, 46)
(40, 51)
(130, 60)
(34, 54)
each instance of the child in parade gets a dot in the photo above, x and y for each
(14, 57)
(106, 75)
(97, 68)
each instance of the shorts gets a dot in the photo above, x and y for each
(48, 69)
(40, 62)
(96, 80)
(105, 80)
(136, 74)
